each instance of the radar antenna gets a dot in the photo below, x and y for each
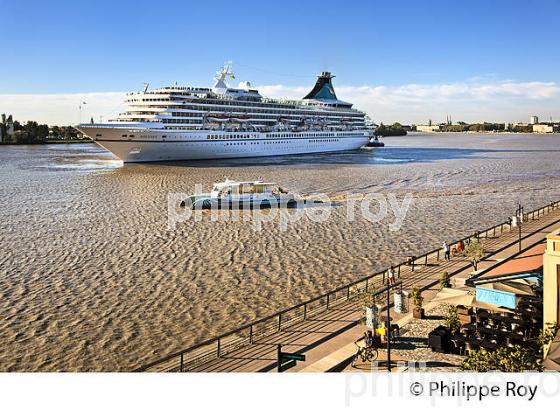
(225, 73)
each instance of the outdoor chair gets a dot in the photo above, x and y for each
(482, 312)
(481, 321)
(471, 346)
(458, 346)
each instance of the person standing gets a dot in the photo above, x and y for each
(391, 275)
(446, 251)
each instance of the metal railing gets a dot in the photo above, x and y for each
(250, 333)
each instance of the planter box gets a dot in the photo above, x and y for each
(439, 340)
(418, 313)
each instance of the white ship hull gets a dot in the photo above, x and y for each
(148, 145)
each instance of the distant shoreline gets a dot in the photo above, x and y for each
(88, 141)
(482, 132)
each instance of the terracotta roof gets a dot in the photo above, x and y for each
(528, 261)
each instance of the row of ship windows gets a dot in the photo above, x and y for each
(277, 142)
(234, 101)
(201, 109)
(240, 136)
(240, 104)
(217, 102)
(270, 117)
(257, 119)
(199, 128)
(232, 136)
(304, 135)
(243, 111)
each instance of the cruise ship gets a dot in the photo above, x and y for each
(189, 123)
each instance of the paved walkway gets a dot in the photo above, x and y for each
(335, 329)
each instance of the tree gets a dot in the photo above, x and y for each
(475, 252)
(452, 319)
(444, 280)
(392, 130)
(366, 298)
(417, 297)
(42, 132)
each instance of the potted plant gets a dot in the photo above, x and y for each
(417, 299)
(452, 321)
(444, 280)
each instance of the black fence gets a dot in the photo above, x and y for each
(250, 333)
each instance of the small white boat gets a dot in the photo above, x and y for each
(374, 142)
(238, 195)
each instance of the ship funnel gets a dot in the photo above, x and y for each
(323, 89)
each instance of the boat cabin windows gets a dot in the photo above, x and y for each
(247, 189)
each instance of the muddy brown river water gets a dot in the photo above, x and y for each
(92, 278)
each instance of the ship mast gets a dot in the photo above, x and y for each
(225, 73)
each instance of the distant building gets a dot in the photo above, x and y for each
(552, 279)
(534, 120)
(6, 128)
(551, 297)
(546, 128)
(429, 128)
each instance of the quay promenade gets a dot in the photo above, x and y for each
(327, 324)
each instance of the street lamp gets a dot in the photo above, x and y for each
(388, 327)
(519, 221)
(80, 108)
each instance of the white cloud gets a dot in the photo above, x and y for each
(469, 101)
(62, 109)
(466, 101)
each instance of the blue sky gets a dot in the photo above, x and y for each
(67, 47)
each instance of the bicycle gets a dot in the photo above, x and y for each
(366, 353)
